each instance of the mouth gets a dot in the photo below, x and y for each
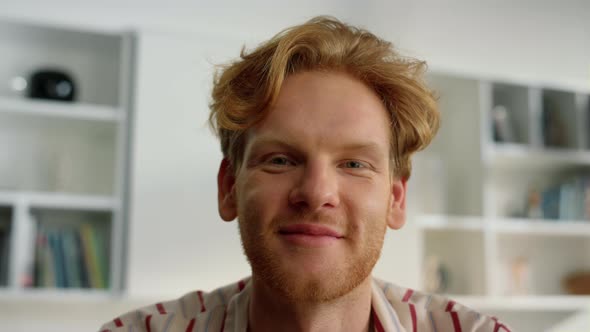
(309, 235)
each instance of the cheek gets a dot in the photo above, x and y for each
(369, 197)
(366, 207)
(261, 196)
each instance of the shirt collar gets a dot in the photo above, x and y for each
(384, 316)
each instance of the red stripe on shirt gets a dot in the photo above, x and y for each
(377, 322)
(414, 320)
(499, 326)
(408, 295)
(200, 294)
(190, 326)
(148, 328)
(118, 322)
(450, 306)
(105, 331)
(456, 322)
(160, 308)
(241, 285)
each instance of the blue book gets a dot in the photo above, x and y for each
(55, 245)
(82, 264)
(550, 203)
(71, 259)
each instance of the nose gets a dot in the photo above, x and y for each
(316, 188)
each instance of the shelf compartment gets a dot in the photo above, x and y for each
(544, 192)
(94, 60)
(560, 120)
(461, 254)
(57, 155)
(510, 114)
(71, 249)
(543, 261)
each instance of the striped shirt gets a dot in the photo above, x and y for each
(394, 309)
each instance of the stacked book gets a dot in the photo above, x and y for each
(4, 250)
(71, 257)
(568, 200)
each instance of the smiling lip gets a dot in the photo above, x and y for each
(309, 235)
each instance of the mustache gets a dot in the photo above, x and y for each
(321, 218)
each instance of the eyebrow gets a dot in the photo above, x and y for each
(353, 146)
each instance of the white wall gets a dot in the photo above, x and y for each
(541, 41)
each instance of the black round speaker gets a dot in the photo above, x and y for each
(51, 84)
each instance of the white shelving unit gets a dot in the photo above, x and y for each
(484, 180)
(58, 109)
(64, 162)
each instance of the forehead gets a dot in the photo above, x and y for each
(325, 109)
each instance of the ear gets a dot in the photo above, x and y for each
(226, 198)
(396, 217)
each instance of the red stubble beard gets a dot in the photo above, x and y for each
(270, 261)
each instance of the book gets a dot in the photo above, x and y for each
(102, 245)
(89, 250)
(54, 239)
(70, 252)
(4, 254)
(81, 261)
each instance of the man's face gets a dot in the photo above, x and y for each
(314, 193)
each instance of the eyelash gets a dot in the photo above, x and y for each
(360, 164)
(270, 160)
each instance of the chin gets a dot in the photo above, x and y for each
(313, 282)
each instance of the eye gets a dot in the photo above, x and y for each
(353, 164)
(280, 161)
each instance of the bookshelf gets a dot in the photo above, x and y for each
(511, 169)
(64, 167)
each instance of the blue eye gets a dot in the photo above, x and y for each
(353, 164)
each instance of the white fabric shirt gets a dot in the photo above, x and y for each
(394, 309)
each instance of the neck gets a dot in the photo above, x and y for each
(269, 312)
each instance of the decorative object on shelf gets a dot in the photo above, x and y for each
(436, 275)
(554, 130)
(502, 125)
(577, 283)
(52, 84)
(519, 280)
(18, 85)
(533, 208)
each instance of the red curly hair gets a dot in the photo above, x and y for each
(244, 91)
